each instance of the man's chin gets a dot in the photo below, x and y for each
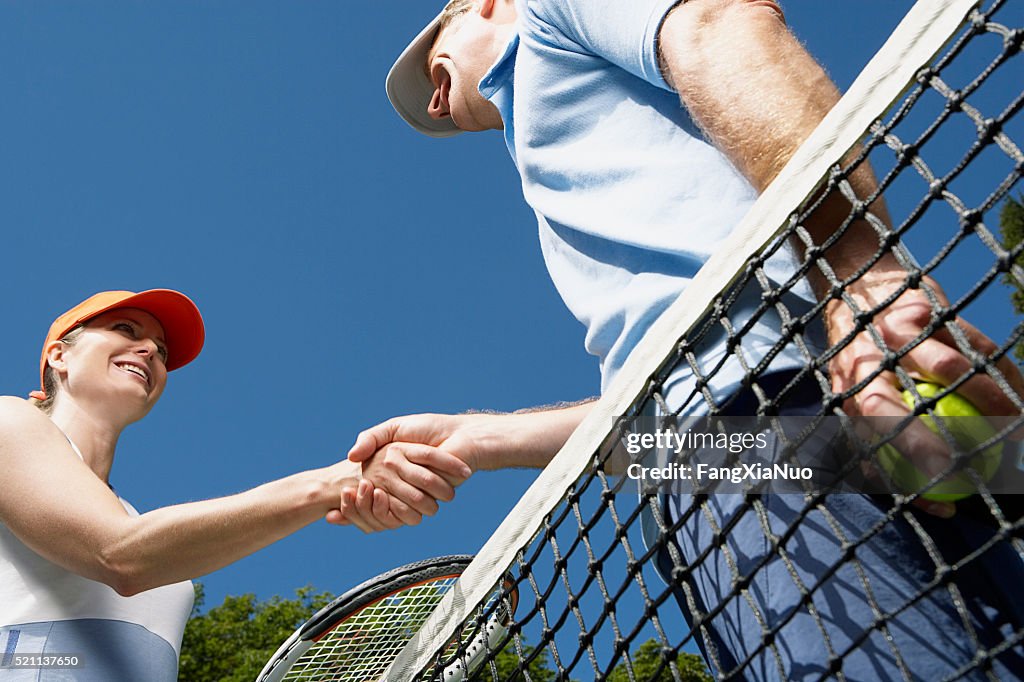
(469, 124)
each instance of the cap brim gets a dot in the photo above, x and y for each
(183, 326)
(410, 90)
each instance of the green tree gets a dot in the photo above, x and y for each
(232, 642)
(1011, 224)
(508, 664)
(648, 658)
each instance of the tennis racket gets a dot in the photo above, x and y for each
(357, 636)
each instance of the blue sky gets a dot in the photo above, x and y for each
(348, 269)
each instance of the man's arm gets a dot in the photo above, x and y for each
(484, 441)
(758, 95)
(746, 80)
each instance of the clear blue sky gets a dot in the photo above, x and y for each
(348, 269)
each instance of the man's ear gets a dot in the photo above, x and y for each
(501, 11)
(487, 8)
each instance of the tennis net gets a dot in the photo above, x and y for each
(620, 580)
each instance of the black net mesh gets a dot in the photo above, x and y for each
(820, 584)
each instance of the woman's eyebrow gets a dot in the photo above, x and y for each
(128, 318)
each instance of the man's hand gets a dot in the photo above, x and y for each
(400, 484)
(456, 435)
(938, 358)
(475, 441)
(416, 476)
(440, 437)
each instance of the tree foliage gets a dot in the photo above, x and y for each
(1011, 224)
(232, 642)
(648, 663)
(651, 665)
(509, 667)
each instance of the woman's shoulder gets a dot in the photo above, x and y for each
(25, 431)
(10, 404)
(18, 414)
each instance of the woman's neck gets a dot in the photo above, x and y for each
(95, 438)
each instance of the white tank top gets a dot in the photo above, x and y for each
(35, 590)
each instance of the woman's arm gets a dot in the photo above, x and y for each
(58, 507)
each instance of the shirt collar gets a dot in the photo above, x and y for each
(501, 72)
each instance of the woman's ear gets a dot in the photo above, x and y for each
(55, 356)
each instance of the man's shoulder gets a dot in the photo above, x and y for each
(548, 21)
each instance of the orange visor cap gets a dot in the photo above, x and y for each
(178, 315)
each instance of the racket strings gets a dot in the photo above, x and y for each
(362, 646)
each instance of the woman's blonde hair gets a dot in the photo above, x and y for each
(50, 379)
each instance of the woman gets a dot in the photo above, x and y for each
(80, 570)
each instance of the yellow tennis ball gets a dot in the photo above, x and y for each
(968, 433)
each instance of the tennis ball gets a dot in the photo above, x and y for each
(968, 433)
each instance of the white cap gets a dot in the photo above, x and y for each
(409, 89)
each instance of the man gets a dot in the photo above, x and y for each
(633, 193)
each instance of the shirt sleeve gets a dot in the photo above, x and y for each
(624, 32)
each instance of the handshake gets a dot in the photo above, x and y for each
(407, 468)
(407, 465)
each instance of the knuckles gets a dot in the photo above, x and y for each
(948, 364)
(874, 402)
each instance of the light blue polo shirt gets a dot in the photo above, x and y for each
(631, 200)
